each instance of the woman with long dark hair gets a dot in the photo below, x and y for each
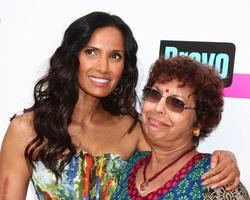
(75, 140)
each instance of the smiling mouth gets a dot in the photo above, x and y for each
(98, 80)
(155, 123)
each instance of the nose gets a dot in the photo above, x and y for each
(103, 64)
(160, 107)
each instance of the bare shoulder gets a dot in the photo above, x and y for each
(18, 135)
(137, 132)
(14, 170)
(21, 129)
(239, 193)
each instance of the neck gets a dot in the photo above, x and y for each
(87, 109)
(162, 157)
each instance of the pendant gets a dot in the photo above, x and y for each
(144, 186)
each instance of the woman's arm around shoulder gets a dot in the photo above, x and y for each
(14, 170)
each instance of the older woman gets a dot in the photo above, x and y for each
(183, 102)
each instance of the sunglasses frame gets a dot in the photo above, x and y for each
(167, 104)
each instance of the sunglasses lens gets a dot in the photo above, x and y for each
(151, 95)
(175, 104)
(154, 96)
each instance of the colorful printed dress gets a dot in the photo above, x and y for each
(184, 185)
(84, 177)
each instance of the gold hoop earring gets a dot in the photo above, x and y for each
(196, 132)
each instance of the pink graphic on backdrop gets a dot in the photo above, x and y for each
(240, 87)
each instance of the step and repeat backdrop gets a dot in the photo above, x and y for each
(212, 32)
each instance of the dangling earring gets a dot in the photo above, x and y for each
(196, 132)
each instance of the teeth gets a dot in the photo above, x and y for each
(99, 80)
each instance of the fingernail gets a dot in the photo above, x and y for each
(207, 186)
(204, 182)
(213, 186)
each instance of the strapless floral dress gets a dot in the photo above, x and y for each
(85, 177)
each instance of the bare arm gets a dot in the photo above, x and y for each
(14, 171)
(224, 171)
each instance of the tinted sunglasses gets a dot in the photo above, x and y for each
(174, 104)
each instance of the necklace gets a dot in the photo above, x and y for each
(145, 184)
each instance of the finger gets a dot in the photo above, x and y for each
(215, 158)
(223, 182)
(234, 185)
(230, 171)
(218, 165)
(230, 175)
(217, 178)
(213, 172)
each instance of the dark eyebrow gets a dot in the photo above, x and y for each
(98, 49)
(119, 51)
(91, 47)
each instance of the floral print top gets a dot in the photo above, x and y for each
(186, 184)
(85, 177)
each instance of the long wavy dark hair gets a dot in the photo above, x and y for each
(56, 93)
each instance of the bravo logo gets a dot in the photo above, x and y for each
(220, 61)
(218, 55)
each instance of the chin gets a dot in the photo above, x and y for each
(153, 135)
(98, 92)
(101, 95)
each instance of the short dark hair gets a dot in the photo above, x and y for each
(203, 79)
